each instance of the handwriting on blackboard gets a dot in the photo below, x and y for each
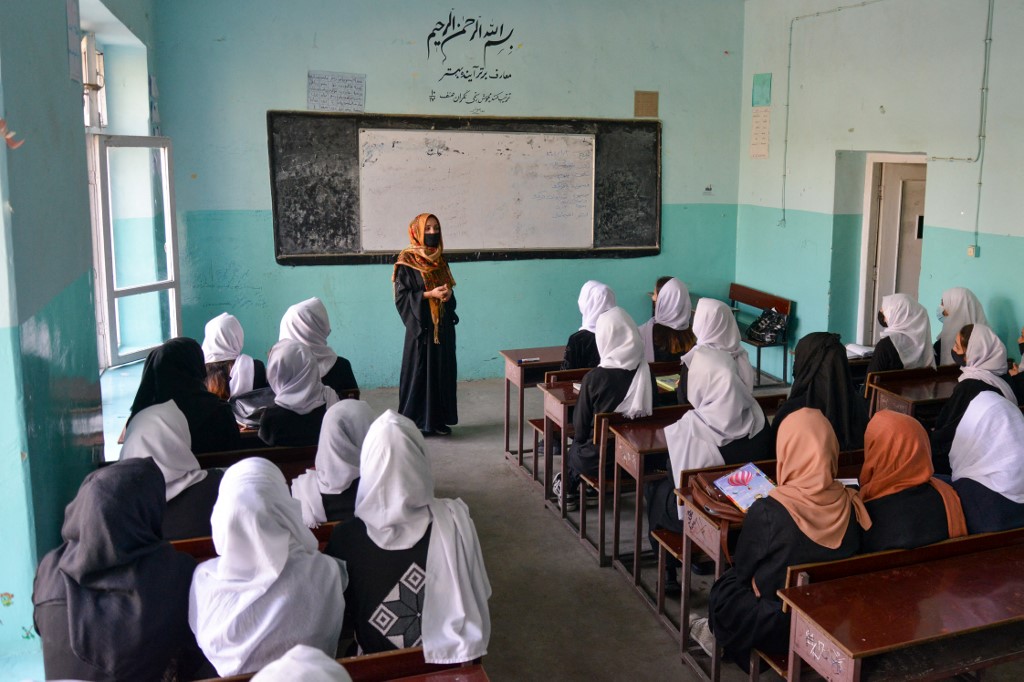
(468, 28)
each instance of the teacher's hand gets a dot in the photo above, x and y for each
(442, 293)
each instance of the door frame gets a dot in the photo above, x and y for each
(869, 230)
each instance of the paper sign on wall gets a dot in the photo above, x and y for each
(335, 91)
(760, 132)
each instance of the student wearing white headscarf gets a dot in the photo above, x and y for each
(303, 664)
(417, 575)
(229, 371)
(581, 348)
(161, 432)
(269, 588)
(958, 308)
(307, 322)
(667, 335)
(906, 336)
(984, 369)
(715, 327)
(621, 382)
(725, 426)
(300, 399)
(328, 492)
(987, 461)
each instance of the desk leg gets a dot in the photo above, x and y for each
(795, 662)
(519, 426)
(507, 418)
(616, 489)
(684, 596)
(563, 460)
(638, 527)
(549, 434)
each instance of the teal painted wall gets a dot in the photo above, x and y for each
(848, 96)
(221, 70)
(518, 304)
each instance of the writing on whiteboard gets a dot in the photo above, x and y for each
(335, 91)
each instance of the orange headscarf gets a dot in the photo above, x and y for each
(429, 262)
(808, 462)
(897, 456)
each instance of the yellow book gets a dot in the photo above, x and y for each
(668, 382)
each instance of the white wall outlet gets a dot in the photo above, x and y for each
(973, 251)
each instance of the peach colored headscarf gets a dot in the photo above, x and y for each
(808, 462)
(430, 263)
(897, 456)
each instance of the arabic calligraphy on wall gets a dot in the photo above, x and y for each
(463, 50)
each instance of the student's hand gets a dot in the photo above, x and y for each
(1020, 339)
(1015, 370)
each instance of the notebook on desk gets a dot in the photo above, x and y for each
(745, 485)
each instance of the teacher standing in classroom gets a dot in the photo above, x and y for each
(426, 303)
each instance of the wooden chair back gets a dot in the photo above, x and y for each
(292, 461)
(759, 299)
(202, 548)
(565, 375)
(390, 665)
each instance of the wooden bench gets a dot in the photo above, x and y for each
(806, 574)
(202, 548)
(392, 665)
(739, 294)
(293, 461)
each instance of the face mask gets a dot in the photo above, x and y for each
(881, 319)
(958, 358)
(940, 313)
(432, 240)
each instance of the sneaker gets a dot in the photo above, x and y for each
(556, 485)
(700, 632)
(572, 502)
(443, 430)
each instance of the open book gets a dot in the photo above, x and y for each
(745, 485)
(669, 382)
(856, 350)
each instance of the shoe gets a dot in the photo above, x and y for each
(426, 434)
(702, 567)
(442, 430)
(572, 502)
(556, 485)
(700, 632)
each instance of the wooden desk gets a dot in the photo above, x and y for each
(524, 375)
(947, 616)
(470, 673)
(559, 398)
(858, 369)
(634, 443)
(920, 398)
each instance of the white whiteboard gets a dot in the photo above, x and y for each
(490, 190)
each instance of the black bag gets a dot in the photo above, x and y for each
(769, 327)
(249, 407)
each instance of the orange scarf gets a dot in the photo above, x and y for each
(429, 262)
(897, 456)
(808, 462)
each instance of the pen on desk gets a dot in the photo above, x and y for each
(522, 360)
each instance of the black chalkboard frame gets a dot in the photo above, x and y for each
(314, 176)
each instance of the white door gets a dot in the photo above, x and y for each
(137, 303)
(896, 263)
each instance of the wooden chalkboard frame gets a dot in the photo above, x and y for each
(316, 153)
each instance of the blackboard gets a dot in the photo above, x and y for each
(315, 185)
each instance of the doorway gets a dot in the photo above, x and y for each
(894, 196)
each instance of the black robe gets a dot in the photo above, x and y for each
(1017, 384)
(188, 514)
(111, 603)
(910, 518)
(985, 510)
(259, 374)
(340, 377)
(821, 380)
(581, 351)
(426, 387)
(281, 426)
(602, 390)
(885, 357)
(769, 543)
(342, 506)
(942, 435)
(177, 371)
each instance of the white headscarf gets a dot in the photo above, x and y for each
(161, 432)
(988, 447)
(963, 308)
(292, 375)
(307, 323)
(223, 341)
(715, 327)
(270, 588)
(595, 298)
(672, 310)
(723, 411)
(337, 458)
(909, 330)
(618, 343)
(985, 360)
(396, 502)
(303, 664)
